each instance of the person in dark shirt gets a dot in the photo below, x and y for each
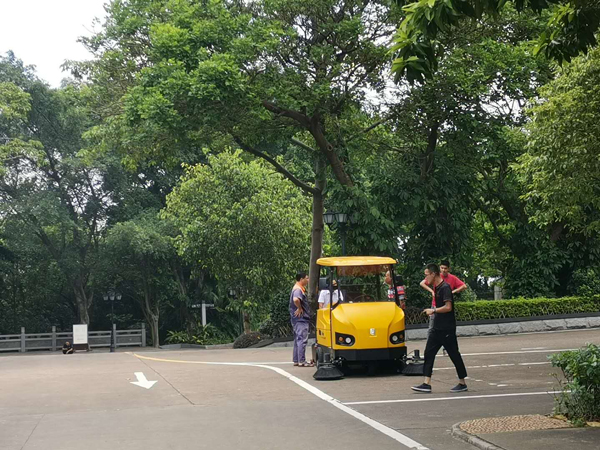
(443, 332)
(67, 348)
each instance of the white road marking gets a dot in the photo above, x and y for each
(390, 432)
(404, 440)
(534, 348)
(519, 352)
(142, 381)
(496, 365)
(465, 397)
(534, 363)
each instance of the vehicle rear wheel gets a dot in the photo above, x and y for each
(319, 356)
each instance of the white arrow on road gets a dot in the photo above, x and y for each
(142, 381)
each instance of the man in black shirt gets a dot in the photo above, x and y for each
(67, 348)
(443, 333)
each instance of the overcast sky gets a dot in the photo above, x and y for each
(44, 33)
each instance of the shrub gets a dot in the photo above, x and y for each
(278, 323)
(468, 295)
(583, 282)
(202, 335)
(246, 340)
(501, 309)
(579, 399)
(515, 308)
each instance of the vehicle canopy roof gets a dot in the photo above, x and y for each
(352, 261)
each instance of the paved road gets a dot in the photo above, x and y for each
(86, 401)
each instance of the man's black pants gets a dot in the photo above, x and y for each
(447, 339)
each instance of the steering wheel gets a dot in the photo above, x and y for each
(360, 298)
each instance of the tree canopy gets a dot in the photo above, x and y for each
(193, 156)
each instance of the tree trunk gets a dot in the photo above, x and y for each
(316, 247)
(154, 331)
(152, 319)
(427, 160)
(83, 301)
(247, 327)
(328, 151)
(185, 316)
(151, 311)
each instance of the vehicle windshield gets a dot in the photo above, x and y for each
(363, 283)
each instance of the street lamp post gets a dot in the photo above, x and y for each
(340, 221)
(112, 295)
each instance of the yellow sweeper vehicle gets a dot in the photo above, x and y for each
(360, 321)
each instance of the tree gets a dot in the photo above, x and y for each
(139, 255)
(44, 184)
(262, 76)
(442, 173)
(243, 223)
(418, 45)
(33, 291)
(560, 170)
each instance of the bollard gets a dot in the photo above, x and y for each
(114, 330)
(143, 334)
(22, 340)
(53, 338)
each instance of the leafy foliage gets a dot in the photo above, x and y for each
(501, 309)
(579, 400)
(278, 322)
(202, 335)
(45, 186)
(560, 168)
(570, 30)
(242, 222)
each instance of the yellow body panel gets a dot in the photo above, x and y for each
(358, 320)
(345, 261)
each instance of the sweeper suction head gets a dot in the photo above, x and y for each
(414, 365)
(326, 370)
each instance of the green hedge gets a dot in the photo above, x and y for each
(512, 309)
(521, 307)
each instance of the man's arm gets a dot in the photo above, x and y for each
(321, 300)
(424, 285)
(298, 304)
(459, 289)
(461, 286)
(447, 298)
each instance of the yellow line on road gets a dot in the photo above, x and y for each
(181, 361)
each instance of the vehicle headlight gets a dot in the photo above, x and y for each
(397, 338)
(346, 340)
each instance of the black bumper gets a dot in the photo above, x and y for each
(375, 354)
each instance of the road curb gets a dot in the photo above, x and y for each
(473, 439)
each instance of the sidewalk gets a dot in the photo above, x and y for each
(533, 432)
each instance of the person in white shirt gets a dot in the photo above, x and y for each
(336, 296)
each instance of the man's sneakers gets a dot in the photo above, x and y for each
(459, 388)
(427, 388)
(422, 388)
